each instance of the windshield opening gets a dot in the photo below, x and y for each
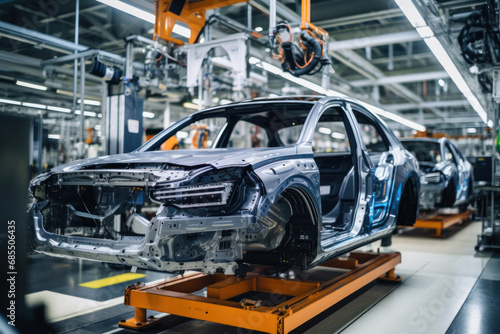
(424, 151)
(240, 126)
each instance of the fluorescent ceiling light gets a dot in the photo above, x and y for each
(325, 131)
(66, 110)
(86, 113)
(34, 105)
(413, 15)
(182, 134)
(471, 130)
(54, 136)
(90, 102)
(391, 116)
(259, 29)
(253, 60)
(18, 103)
(30, 85)
(143, 15)
(126, 8)
(338, 135)
(183, 31)
(148, 114)
(441, 82)
(317, 88)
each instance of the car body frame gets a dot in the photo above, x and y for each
(286, 204)
(446, 177)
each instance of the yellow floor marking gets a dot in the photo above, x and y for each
(100, 283)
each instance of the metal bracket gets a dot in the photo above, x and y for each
(234, 45)
(249, 304)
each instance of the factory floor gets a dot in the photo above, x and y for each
(447, 287)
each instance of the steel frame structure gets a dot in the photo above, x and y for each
(225, 302)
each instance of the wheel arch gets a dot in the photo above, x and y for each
(409, 198)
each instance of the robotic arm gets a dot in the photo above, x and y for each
(305, 57)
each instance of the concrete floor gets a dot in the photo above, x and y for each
(438, 276)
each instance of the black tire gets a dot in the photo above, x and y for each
(449, 195)
(408, 205)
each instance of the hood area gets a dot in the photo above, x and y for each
(217, 158)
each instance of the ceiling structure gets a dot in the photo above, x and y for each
(376, 53)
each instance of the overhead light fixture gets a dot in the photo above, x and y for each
(30, 85)
(60, 109)
(182, 134)
(148, 114)
(259, 29)
(54, 136)
(325, 131)
(338, 135)
(34, 105)
(86, 113)
(471, 130)
(441, 82)
(417, 21)
(317, 88)
(143, 15)
(392, 116)
(18, 103)
(253, 60)
(90, 102)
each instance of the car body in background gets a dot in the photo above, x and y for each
(290, 181)
(446, 176)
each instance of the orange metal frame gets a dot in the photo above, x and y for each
(306, 21)
(306, 298)
(192, 14)
(442, 221)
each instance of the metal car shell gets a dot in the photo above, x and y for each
(268, 205)
(444, 183)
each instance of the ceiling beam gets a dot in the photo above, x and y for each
(363, 66)
(413, 77)
(386, 39)
(426, 104)
(37, 38)
(360, 18)
(92, 10)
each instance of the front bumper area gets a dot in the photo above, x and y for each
(169, 244)
(431, 195)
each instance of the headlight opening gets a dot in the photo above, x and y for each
(202, 195)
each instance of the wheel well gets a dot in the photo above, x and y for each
(302, 203)
(408, 205)
(299, 245)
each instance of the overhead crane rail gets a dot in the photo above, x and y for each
(281, 304)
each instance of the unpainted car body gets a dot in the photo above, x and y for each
(290, 181)
(446, 177)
